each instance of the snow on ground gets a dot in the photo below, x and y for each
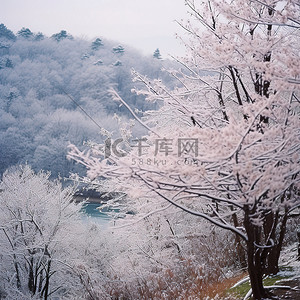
(289, 260)
(290, 271)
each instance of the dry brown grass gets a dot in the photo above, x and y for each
(185, 283)
(200, 288)
(218, 288)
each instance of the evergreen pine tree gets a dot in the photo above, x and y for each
(157, 54)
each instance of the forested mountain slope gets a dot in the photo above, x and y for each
(38, 77)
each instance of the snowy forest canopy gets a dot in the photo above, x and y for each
(38, 77)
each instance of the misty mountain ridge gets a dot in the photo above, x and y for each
(45, 82)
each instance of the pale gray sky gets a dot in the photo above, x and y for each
(143, 24)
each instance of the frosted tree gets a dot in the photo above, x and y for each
(25, 33)
(164, 253)
(118, 50)
(5, 33)
(156, 54)
(225, 144)
(38, 223)
(39, 36)
(96, 44)
(62, 35)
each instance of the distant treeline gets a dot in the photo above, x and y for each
(44, 80)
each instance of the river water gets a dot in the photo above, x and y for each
(92, 210)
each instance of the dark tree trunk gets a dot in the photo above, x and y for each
(254, 258)
(269, 255)
(273, 223)
(46, 291)
(31, 276)
(17, 272)
(239, 247)
(298, 234)
(272, 264)
(254, 274)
